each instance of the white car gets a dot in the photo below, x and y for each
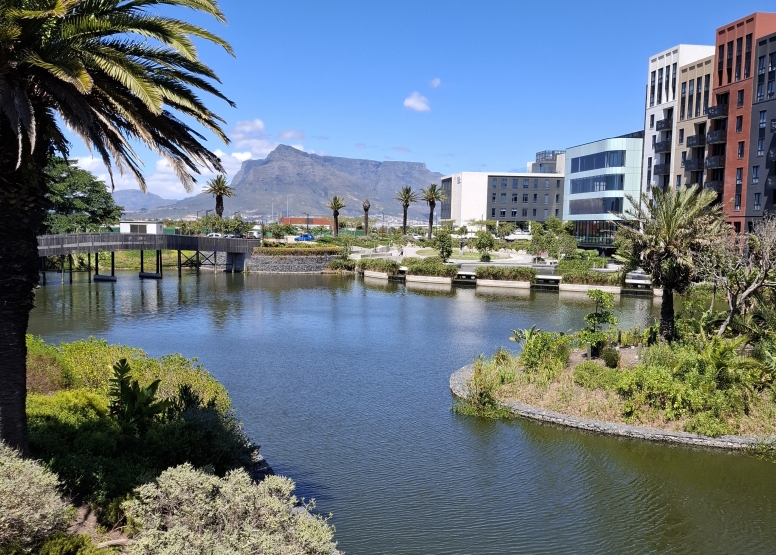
(214, 234)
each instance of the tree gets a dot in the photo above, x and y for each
(662, 236)
(739, 265)
(112, 72)
(431, 195)
(553, 238)
(78, 200)
(444, 244)
(219, 188)
(366, 207)
(335, 205)
(484, 242)
(504, 229)
(405, 196)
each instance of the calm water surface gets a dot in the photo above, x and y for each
(345, 386)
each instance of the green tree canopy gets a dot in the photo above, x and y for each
(79, 201)
(553, 238)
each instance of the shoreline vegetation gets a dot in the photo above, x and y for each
(136, 441)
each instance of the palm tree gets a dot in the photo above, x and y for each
(366, 206)
(405, 196)
(664, 234)
(432, 194)
(219, 187)
(111, 71)
(335, 205)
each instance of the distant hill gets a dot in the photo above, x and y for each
(133, 200)
(307, 181)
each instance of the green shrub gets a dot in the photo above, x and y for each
(589, 277)
(572, 264)
(611, 357)
(444, 244)
(431, 266)
(592, 375)
(63, 544)
(31, 508)
(508, 273)
(190, 511)
(390, 267)
(342, 265)
(485, 257)
(296, 250)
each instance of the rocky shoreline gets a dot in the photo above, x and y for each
(458, 387)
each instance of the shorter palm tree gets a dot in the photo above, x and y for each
(405, 196)
(431, 195)
(335, 205)
(219, 187)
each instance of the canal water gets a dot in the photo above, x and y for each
(345, 386)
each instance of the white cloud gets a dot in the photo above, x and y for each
(401, 149)
(242, 156)
(417, 102)
(250, 135)
(435, 82)
(291, 135)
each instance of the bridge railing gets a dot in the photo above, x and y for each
(72, 243)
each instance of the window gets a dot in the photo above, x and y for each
(546, 199)
(737, 202)
(533, 212)
(681, 136)
(536, 199)
(135, 228)
(737, 226)
(739, 175)
(609, 159)
(654, 138)
(757, 205)
(755, 174)
(660, 85)
(706, 88)
(525, 212)
(739, 45)
(673, 83)
(546, 183)
(493, 197)
(684, 157)
(557, 183)
(503, 198)
(698, 86)
(748, 59)
(649, 171)
(545, 213)
(493, 212)
(739, 123)
(763, 117)
(681, 105)
(557, 211)
(770, 88)
(557, 199)
(494, 182)
(761, 65)
(595, 206)
(741, 149)
(503, 213)
(525, 197)
(690, 97)
(504, 183)
(597, 183)
(678, 181)
(760, 147)
(652, 90)
(515, 183)
(760, 92)
(772, 62)
(514, 198)
(652, 119)
(729, 62)
(740, 99)
(525, 183)
(514, 212)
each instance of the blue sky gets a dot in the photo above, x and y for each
(475, 86)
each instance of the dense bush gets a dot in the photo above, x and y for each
(579, 264)
(611, 357)
(296, 250)
(508, 273)
(487, 376)
(189, 512)
(592, 375)
(545, 355)
(589, 277)
(31, 508)
(431, 266)
(62, 544)
(390, 267)
(342, 265)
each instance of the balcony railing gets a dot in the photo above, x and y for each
(662, 169)
(771, 182)
(664, 124)
(716, 137)
(695, 141)
(714, 186)
(718, 111)
(715, 162)
(694, 165)
(663, 146)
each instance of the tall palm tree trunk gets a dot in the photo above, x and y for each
(404, 222)
(667, 319)
(22, 209)
(336, 224)
(220, 206)
(431, 206)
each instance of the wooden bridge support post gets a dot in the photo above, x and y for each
(62, 268)
(159, 262)
(141, 262)
(89, 266)
(112, 263)
(197, 260)
(179, 263)
(96, 263)
(70, 259)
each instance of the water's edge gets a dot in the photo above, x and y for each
(458, 387)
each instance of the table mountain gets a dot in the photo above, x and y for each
(307, 181)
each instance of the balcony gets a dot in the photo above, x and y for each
(664, 124)
(716, 137)
(770, 183)
(718, 111)
(695, 141)
(715, 162)
(663, 146)
(694, 165)
(662, 169)
(714, 186)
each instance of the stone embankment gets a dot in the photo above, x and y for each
(289, 264)
(458, 386)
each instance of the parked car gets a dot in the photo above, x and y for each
(254, 235)
(305, 237)
(214, 234)
(229, 236)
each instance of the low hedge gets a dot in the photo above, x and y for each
(571, 265)
(342, 265)
(431, 266)
(501, 273)
(297, 251)
(588, 277)
(390, 267)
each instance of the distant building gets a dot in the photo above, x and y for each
(151, 227)
(312, 221)
(762, 153)
(518, 197)
(598, 176)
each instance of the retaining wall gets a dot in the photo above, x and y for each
(289, 264)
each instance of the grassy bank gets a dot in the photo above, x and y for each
(124, 260)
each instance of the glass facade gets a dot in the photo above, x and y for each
(595, 232)
(612, 182)
(595, 206)
(610, 159)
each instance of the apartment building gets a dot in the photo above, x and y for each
(728, 161)
(599, 175)
(761, 185)
(519, 197)
(658, 163)
(689, 145)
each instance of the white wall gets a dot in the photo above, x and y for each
(152, 228)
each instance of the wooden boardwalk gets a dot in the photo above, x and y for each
(74, 243)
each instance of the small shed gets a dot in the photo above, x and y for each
(151, 227)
